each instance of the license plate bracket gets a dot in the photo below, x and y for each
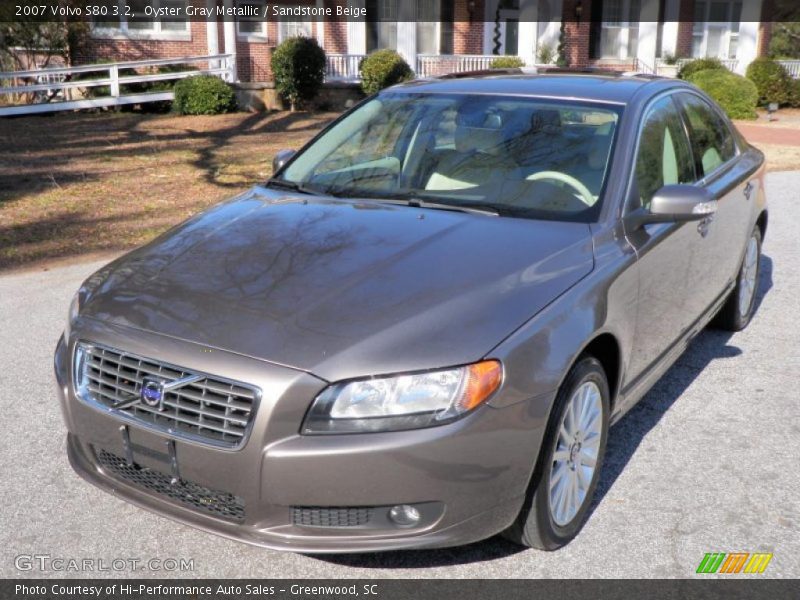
(170, 457)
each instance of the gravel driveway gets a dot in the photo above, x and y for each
(708, 461)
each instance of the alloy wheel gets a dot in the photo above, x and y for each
(576, 451)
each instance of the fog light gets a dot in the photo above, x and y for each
(404, 515)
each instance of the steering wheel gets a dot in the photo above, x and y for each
(586, 196)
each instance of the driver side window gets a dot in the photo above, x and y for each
(664, 155)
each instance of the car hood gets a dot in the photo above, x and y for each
(342, 288)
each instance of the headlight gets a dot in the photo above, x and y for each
(74, 309)
(404, 401)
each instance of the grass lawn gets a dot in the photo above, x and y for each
(84, 183)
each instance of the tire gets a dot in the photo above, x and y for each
(542, 523)
(738, 309)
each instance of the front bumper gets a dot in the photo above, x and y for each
(468, 477)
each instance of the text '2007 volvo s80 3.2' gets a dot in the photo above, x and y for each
(420, 330)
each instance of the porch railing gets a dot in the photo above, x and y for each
(50, 90)
(792, 66)
(729, 63)
(343, 67)
(431, 65)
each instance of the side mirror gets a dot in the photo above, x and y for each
(675, 203)
(281, 158)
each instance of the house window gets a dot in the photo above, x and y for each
(288, 29)
(141, 26)
(428, 16)
(619, 33)
(716, 28)
(252, 26)
(382, 33)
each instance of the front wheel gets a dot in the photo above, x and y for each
(564, 481)
(740, 305)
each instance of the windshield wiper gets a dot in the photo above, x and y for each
(475, 209)
(419, 201)
(293, 186)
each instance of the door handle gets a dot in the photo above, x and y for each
(703, 226)
(748, 189)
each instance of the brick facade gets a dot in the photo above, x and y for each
(254, 52)
(468, 27)
(577, 33)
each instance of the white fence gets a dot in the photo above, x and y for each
(343, 67)
(792, 66)
(57, 89)
(431, 65)
(662, 68)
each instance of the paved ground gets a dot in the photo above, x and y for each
(707, 462)
(769, 133)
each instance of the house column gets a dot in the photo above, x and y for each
(648, 33)
(212, 33)
(357, 32)
(528, 26)
(320, 26)
(747, 50)
(229, 28)
(669, 31)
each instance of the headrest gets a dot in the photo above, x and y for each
(546, 120)
(478, 131)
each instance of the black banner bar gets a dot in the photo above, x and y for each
(754, 588)
(464, 11)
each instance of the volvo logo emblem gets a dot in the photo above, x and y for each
(152, 393)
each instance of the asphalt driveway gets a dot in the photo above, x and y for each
(708, 462)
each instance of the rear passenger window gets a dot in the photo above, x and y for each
(664, 156)
(712, 141)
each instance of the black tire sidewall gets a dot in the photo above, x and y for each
(552, 535)
(742, 321)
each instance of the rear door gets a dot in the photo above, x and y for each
(716, 161)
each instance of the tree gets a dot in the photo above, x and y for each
(785, 42)
(33, 43)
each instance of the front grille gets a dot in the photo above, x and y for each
(203, 499)
(208, 409)
(320, 516)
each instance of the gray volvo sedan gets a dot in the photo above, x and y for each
(420, 330)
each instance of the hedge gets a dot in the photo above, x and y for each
(381, 69)
(203, 95)
(735, 94)
(298, 65)
(773, 82)
(507, 62)
(701, 64)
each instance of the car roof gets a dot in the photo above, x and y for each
(611, 87)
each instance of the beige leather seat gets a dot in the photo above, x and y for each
(480, 158)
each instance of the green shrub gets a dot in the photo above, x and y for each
(298, 66)
(794, 93)
(700, 64)
(772, 81)
(736, 95)
(545, 55)
(203, 95)
(507, 62)
(382, 69)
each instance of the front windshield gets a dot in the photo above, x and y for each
(518, 156)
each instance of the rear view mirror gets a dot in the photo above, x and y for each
(281, 158)
(676, 203)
